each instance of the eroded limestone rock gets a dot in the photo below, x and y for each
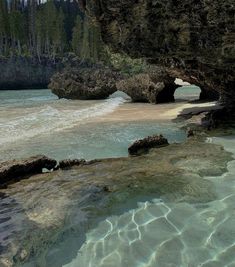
(69, 163)
(143, 145)
(193, 39)
(19, 169)
(84, 83)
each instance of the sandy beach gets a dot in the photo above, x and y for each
(148, 112)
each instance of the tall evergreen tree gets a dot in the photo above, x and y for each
(32, 25)
(77, 39)
(4, 26)
(48, 29)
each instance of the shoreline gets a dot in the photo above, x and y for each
(108, 177)
(159, 112)
(115, 116)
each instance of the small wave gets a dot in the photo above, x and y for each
(50, 119)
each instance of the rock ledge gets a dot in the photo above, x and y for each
(143, 145)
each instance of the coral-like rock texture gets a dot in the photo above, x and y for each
(155, 86)
(143, 145)
(195, 40)
(16, 170)
(84, 83)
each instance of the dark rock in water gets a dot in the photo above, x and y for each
(19, 169)
(190, 132)
(145, 144)
(68, 163)
(154, 87)
(84, 83)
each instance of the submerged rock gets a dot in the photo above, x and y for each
(49, 206)
(145, 144)
(19, 169)
(84, 83)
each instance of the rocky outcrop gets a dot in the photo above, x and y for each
(69, 163)
(194, 40)
(27, 72)
(151, 87)
(143, 145)
(84, 83)
(16, 170)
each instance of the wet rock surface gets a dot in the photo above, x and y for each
(143, 145)
(16, 170)
(69, 163)
(68, 202)
(84, 83)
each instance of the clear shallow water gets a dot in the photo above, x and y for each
(37, 122)
(153, 233)
(164, 234)
(189, 92)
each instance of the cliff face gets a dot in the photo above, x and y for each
(26, 72)
(195, 40)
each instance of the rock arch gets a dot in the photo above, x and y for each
(190, 38)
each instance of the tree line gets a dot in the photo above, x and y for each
(48, 29)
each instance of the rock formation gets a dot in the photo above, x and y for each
(19, 169)
(84, 83)
(69, 163)
(27, 72)
(143, 145)
(194, 40)
(153, 87)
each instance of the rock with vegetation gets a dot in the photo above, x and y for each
(16, 170)
(84, 83)
(193, 39)
(35, 36)
(149, 87)
(143, 145)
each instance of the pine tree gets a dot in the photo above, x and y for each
(32, 25)
(17, 28)
(4, 27)
(77, 39)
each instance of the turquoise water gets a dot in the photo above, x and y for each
(161, 233)
(37, 122)
(147, 231)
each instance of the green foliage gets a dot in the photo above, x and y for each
(124, 63)
(34, 29)
(87, 42)
(54, 28)
(77, 40)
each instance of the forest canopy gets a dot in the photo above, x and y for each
(47, 28)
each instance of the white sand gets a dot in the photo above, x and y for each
(159, 112)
